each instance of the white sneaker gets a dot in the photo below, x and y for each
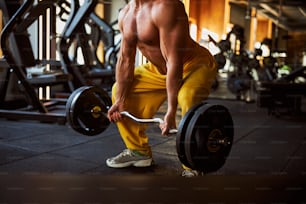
(188, 173)
(129, 158)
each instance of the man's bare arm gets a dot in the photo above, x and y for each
(174, 36)
(124, 71)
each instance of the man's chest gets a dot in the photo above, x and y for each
(139, 26)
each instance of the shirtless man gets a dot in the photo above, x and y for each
(178, 70)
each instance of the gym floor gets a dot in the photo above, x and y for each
(51, 163)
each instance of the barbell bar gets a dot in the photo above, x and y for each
(97, 111)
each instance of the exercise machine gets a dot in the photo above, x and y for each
(84, 32)
(31, 73)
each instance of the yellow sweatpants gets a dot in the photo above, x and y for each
(148, 93)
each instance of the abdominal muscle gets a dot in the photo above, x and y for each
(153, 54)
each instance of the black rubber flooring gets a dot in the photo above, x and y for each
(51, 163)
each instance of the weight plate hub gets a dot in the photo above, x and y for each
(86, 110)
(209, 138)
(214, 140)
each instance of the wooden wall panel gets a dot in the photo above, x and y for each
(209, 14)
(263, 29)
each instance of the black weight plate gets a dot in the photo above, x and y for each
(71, 112)
(180, 136)
(74, 95)
(208, 123)
(79, 107)
(79, 112)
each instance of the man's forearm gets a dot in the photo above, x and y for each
(173, 84)
(123, 89)
(124, 79)
(172, 100)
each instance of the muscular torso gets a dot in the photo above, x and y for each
(160, 30)
(138, 28)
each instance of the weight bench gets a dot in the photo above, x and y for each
(282, 94)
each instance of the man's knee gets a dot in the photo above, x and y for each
(189, 97)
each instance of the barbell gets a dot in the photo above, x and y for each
(203, 139)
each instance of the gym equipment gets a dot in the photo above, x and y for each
(283, 95)
(203, 140)
(83, 34)
(20, 58)
(208, 137)
(85, 108)
(238, 83)
(86, 111)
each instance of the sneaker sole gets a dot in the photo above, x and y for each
(140, 163)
